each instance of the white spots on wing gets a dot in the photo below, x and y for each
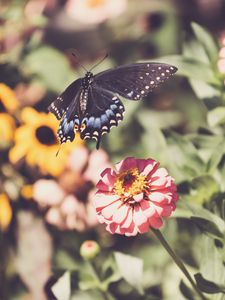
(142, 92)
(86, 137)
(158, 78)
(121, 107)
(152, 82)
(114, 98)
(162, 74)
(159, 68)
(104, 128)
(130, 94)
(167, 71)
(172, 68)
(147, 87)
(95, 133)
(112, 122)
(148, 65)
(147, 73)
(141, 77)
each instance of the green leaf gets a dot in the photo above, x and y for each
(206, 39)
(131, 269)
(61, 289)
(203, 188)
(50, 66)
(208, 286)
(191, 68)
(184, 156)
(208, 227)
(216, 157)
(211, 261)
(204, 90)
(110, 273)
(88, 279)
(190, 210)
(216, 116)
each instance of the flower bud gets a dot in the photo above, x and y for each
(89, 249)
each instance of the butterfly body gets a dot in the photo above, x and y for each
(91, 105)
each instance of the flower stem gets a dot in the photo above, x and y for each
(104, 293)
(178, 261)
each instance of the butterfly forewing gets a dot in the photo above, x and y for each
(135, 81)
(62, 102)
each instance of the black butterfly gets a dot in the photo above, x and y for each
(91, 105)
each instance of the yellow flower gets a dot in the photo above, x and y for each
(36, 141)
(5, 212)
(27, 191)
(8, 103)
(8, 100)
(7, 128)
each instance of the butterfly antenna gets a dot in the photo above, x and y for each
(58, 150)
(98, 63)
(77, 57)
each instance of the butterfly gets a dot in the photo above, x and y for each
(92, 106)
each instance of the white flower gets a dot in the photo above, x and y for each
(95, 11)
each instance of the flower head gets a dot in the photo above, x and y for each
(36, 141)
(68, 201)
(135, 196)
(95, 11)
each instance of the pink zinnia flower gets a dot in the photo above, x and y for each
(135, 196)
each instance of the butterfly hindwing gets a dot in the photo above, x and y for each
(104, 110)
(70, 119)
(135, 81)
(62, 102)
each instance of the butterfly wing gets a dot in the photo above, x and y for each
(134, 81)
(104, 111)
(69, 111)
(62, 102)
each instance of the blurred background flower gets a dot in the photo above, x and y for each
(8, 105)
(68, 201)
(95, 11)
(5, 212)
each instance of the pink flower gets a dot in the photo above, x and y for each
(135, 196)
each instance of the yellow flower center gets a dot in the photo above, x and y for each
(95, 3)
(45, 135)
(130, 183)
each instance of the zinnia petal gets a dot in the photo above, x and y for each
(126, 164)
(121, 213)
